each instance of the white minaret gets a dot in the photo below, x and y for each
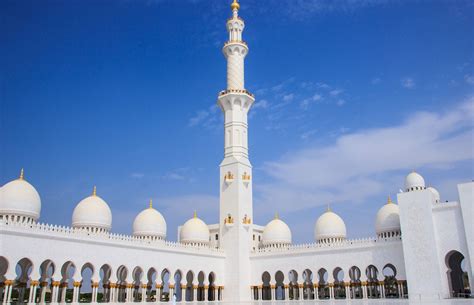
(235, 170)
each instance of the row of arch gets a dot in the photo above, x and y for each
(69, 283)
(319, 287)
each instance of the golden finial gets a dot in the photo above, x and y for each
(235, 5)
(94, 191)
(277, 216)
(195, 214)
(22, 175)
(389, 200)
(151, 204)
(328, 208)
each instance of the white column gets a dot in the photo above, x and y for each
(364, 291)
(195, 293)
(382, 290)
(7, 292)
(300, 293)
(316, 292)
(63, 293)
(43, 286)
(348, 291)
(287, 292)
(331, 292)
(33, 286)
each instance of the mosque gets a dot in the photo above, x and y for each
(422, 248)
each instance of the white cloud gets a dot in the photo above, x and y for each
(335, 92)
(260, 104)
(376, 81)
(317, 97)
(340, 102)
(408, 82)
(469, 79)
(288, 97)
(198, 118)
(137, 175)
(308, 134)
(368, 162)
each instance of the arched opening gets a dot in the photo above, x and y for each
(266, 287)
(103, 292)
(356, 284)
(373, 290)
(21, 287)
(211, 294)
(165, 286)
(200, 290)
(323, 286)
(308, 287)
(3, 271)
(137, 282)
(293, 287)
(85, 290)
(151, 285)
(122, 273)
(279, 286)
(68, 270)
(339, 286)
(47, 269)
(177, 286)
(458, 277)
(390, 282)
(189, 286)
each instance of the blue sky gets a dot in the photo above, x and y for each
(351, 95)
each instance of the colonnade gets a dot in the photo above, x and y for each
(112, 293)
(363, 290)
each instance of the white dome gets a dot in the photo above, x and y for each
(276, 232)
(194, 231)
(435, 193)
(388, 218)
(414, 181)
(329, 225)
(20, 198)
(150, 222)
(92, 212)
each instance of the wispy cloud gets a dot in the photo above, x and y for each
(206, 117)
(408, 83)
(469, 79)
(368, 162)
(137, 175)
(376, 81)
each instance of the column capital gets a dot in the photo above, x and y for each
(77, 284)
(95, 284)
(9, 282)
(34, 283)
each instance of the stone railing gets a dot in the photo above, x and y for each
(103, 237)
(342, 244)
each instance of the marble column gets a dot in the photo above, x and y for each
(331, 291)
(195, 293)
(33, 286)
(287, 292)
(75, 298)
(382, 290)
(7, 291)
(348, 291)
(364, 290)
(300, 292)
(316, 291)
(143, 292)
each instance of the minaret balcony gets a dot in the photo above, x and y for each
(239, 91)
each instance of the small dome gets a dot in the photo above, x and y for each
(194, 231)
(19, 198)
(414, 182)
(150, 223)
(92, 212)
(435, 193)
(329, 226)
(388, 219)
(276, 232)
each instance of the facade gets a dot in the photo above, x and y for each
(420, 249)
